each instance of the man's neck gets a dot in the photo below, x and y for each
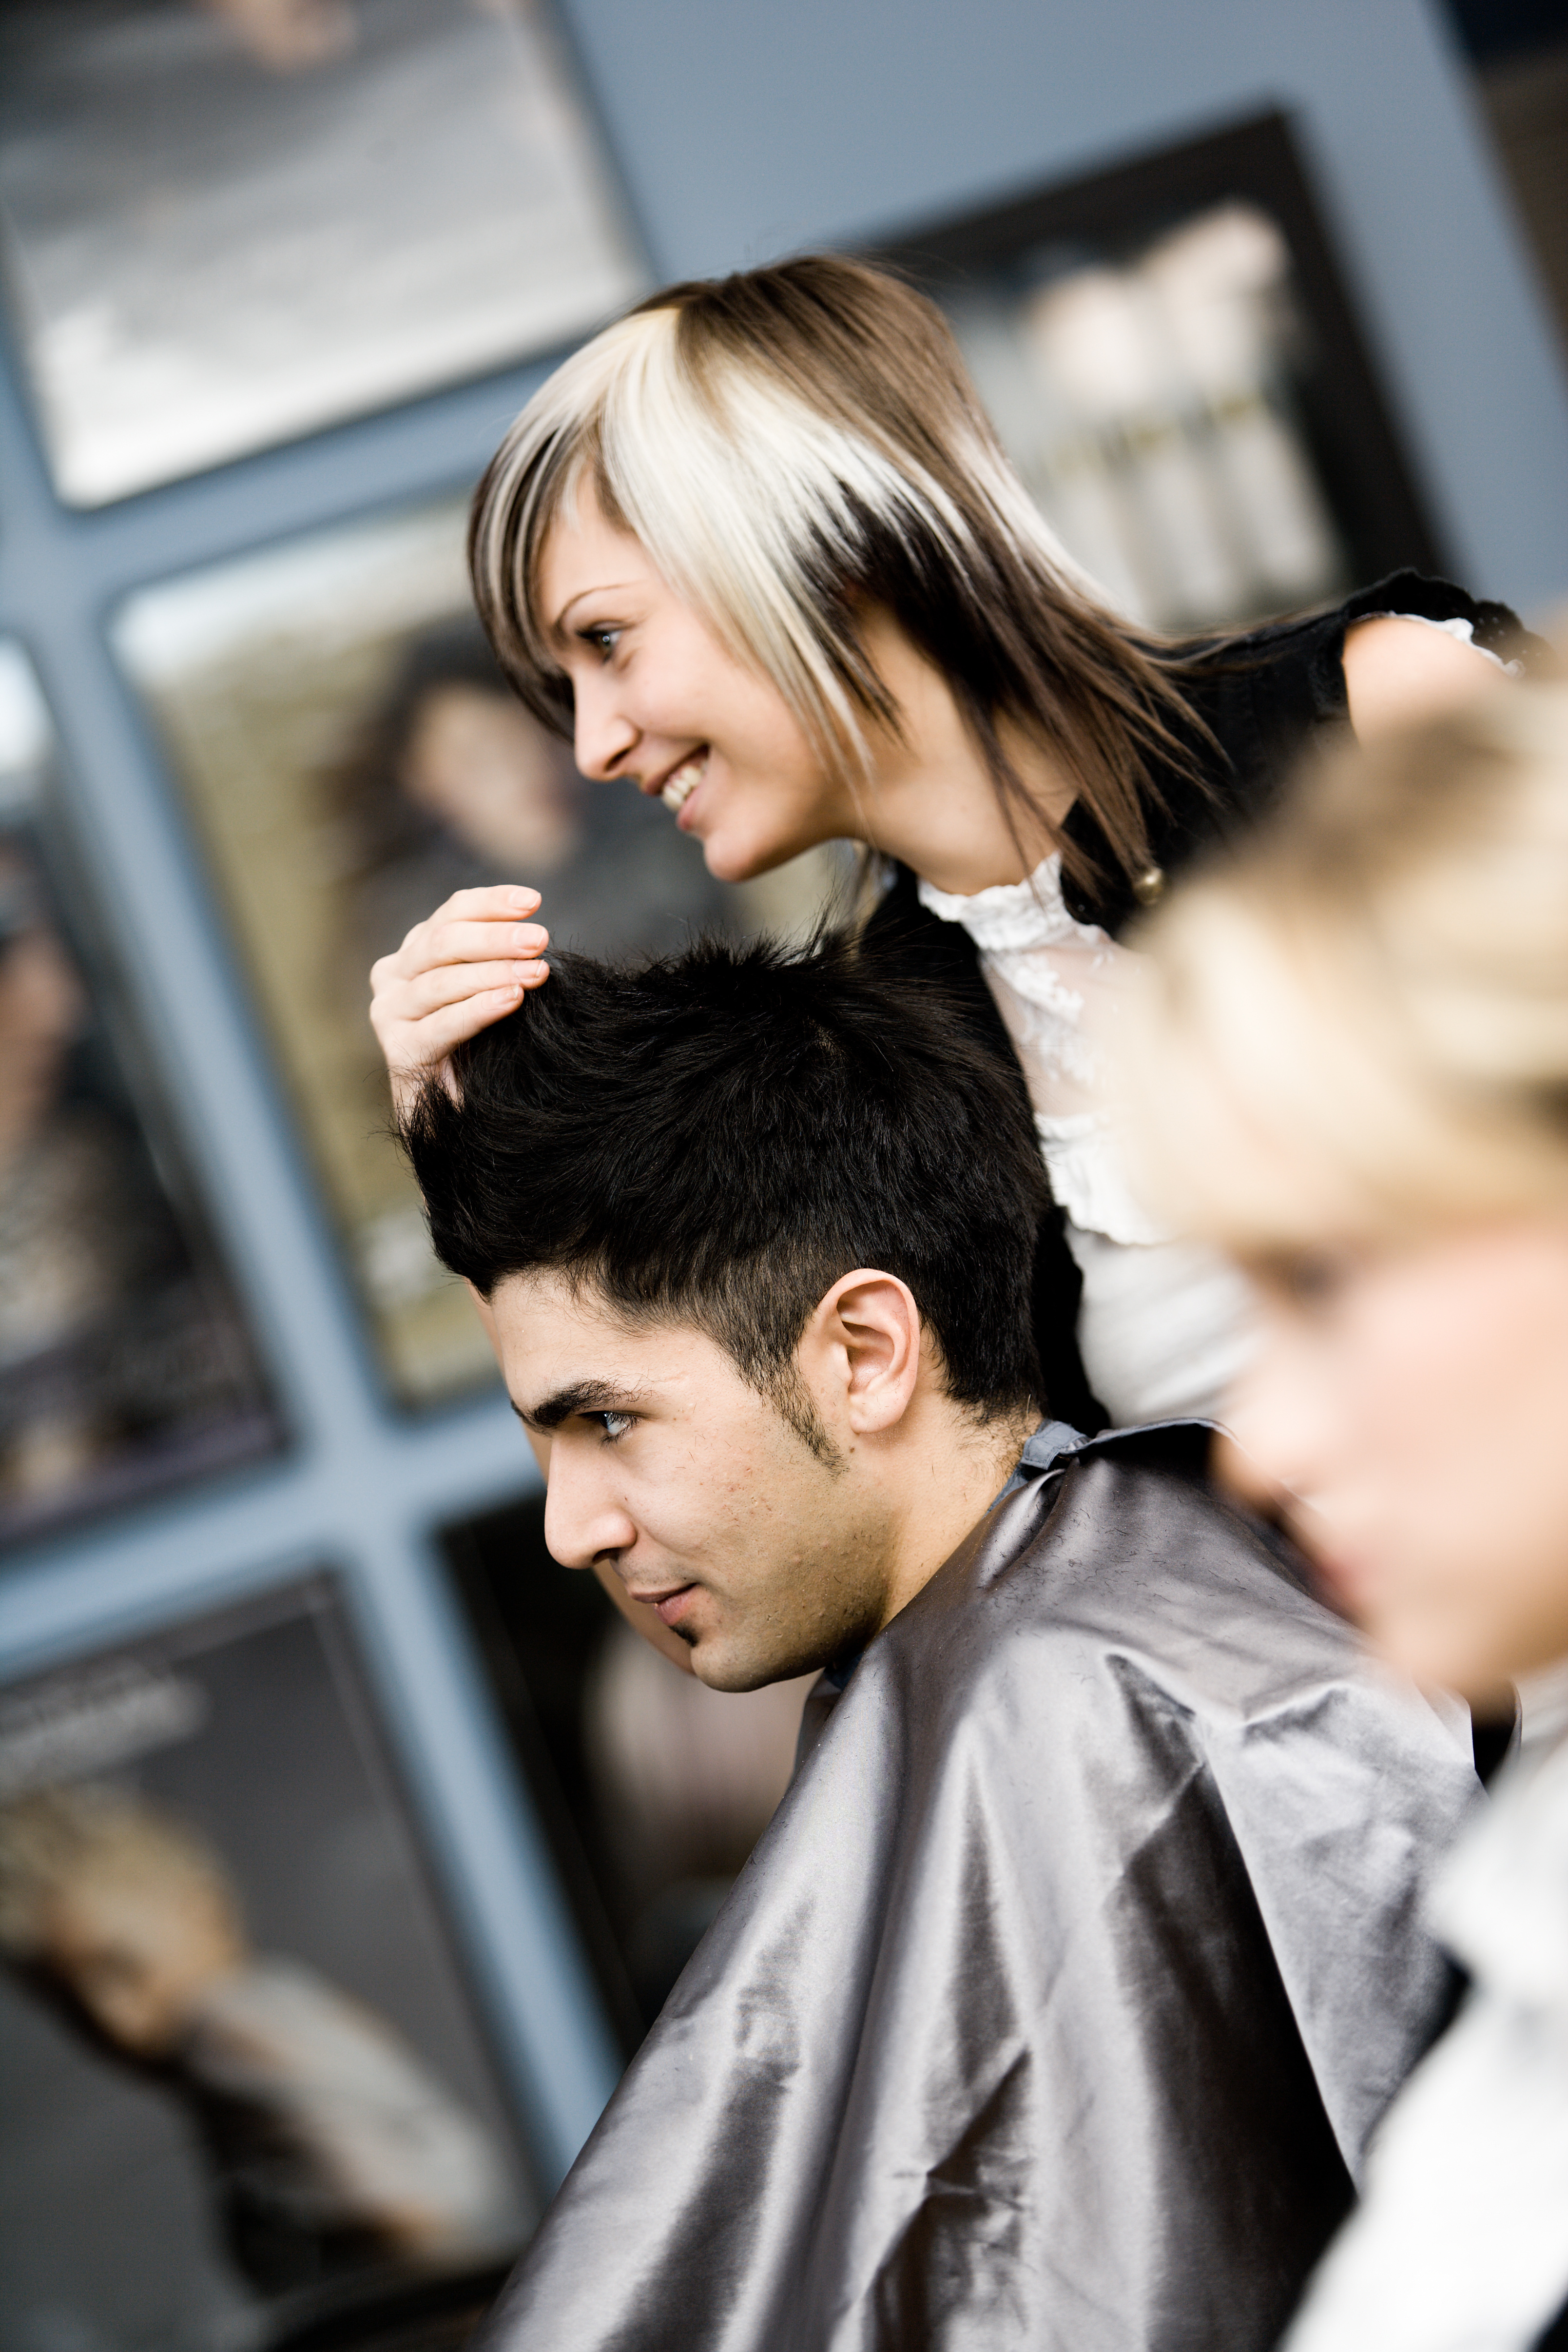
(946, 1489)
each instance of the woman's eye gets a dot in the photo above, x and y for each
(1309, 1281)
(616, 1424)
(603, 641)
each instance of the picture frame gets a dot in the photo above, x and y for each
(127, 1366)
(226, 223)
(240, 2028)
(1170, 351)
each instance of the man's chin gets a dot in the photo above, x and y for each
(721, 1673)
(725, 1667)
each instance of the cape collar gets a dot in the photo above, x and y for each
(1049, 1447)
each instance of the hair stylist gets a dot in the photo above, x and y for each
(758, 545)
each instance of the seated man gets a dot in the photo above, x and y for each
(1056, 2004)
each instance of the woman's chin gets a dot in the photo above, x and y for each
(1432, 1648)
(729, 860)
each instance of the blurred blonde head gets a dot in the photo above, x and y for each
(56, 1842)
(121, 1904)
(1359, 1023)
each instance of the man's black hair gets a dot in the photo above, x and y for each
(714, 1137)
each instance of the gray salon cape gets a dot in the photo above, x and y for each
(1057, 2002)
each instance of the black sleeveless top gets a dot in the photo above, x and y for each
(1265, 698)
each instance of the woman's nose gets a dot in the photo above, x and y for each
(604, 734)
(1280, 1416)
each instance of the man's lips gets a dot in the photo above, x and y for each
(667, 1601)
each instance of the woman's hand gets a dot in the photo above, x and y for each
(465, 967)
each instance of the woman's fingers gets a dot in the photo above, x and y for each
(415, 1020)
(441, 1033)
(439, 943)
(430, 945)
(450, 984)
(421, 1049)
(495, 902)
(468, 964)
(472, 915)
(506, 951)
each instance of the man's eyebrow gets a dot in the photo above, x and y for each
(582, 1396)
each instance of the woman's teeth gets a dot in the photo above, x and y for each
(682, 785)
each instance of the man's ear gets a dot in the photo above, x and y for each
(864, 1340)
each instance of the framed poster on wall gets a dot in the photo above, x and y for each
(225, 223)
(125, 1365)
(351, 755)
(1170, 352)
(247, 2097)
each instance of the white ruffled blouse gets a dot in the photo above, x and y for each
(1165, 1326)
(1162, 1326)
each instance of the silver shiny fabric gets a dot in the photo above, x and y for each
(1056, 2004)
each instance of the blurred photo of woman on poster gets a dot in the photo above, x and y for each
(331, 2146)
(122, 1361)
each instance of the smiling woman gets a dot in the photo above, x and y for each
(647, 676)
(758, 546)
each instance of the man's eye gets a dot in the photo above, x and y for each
(616, 1424)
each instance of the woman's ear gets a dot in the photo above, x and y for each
(864, 1340)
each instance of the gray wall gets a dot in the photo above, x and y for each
(744, 129)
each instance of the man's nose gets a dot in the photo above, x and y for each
(582, 1517)
(604, 735)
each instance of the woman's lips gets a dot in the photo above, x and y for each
(1346, 1583)
(680, 787)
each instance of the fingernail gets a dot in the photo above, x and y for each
(525, 901)
(529, 935)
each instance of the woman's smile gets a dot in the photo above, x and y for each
(679, 788)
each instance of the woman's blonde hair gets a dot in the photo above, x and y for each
(91, 1835)
(1360, 1020)
(791, 445)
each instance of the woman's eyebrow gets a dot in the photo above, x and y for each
(609, 588)
(581, 1396)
